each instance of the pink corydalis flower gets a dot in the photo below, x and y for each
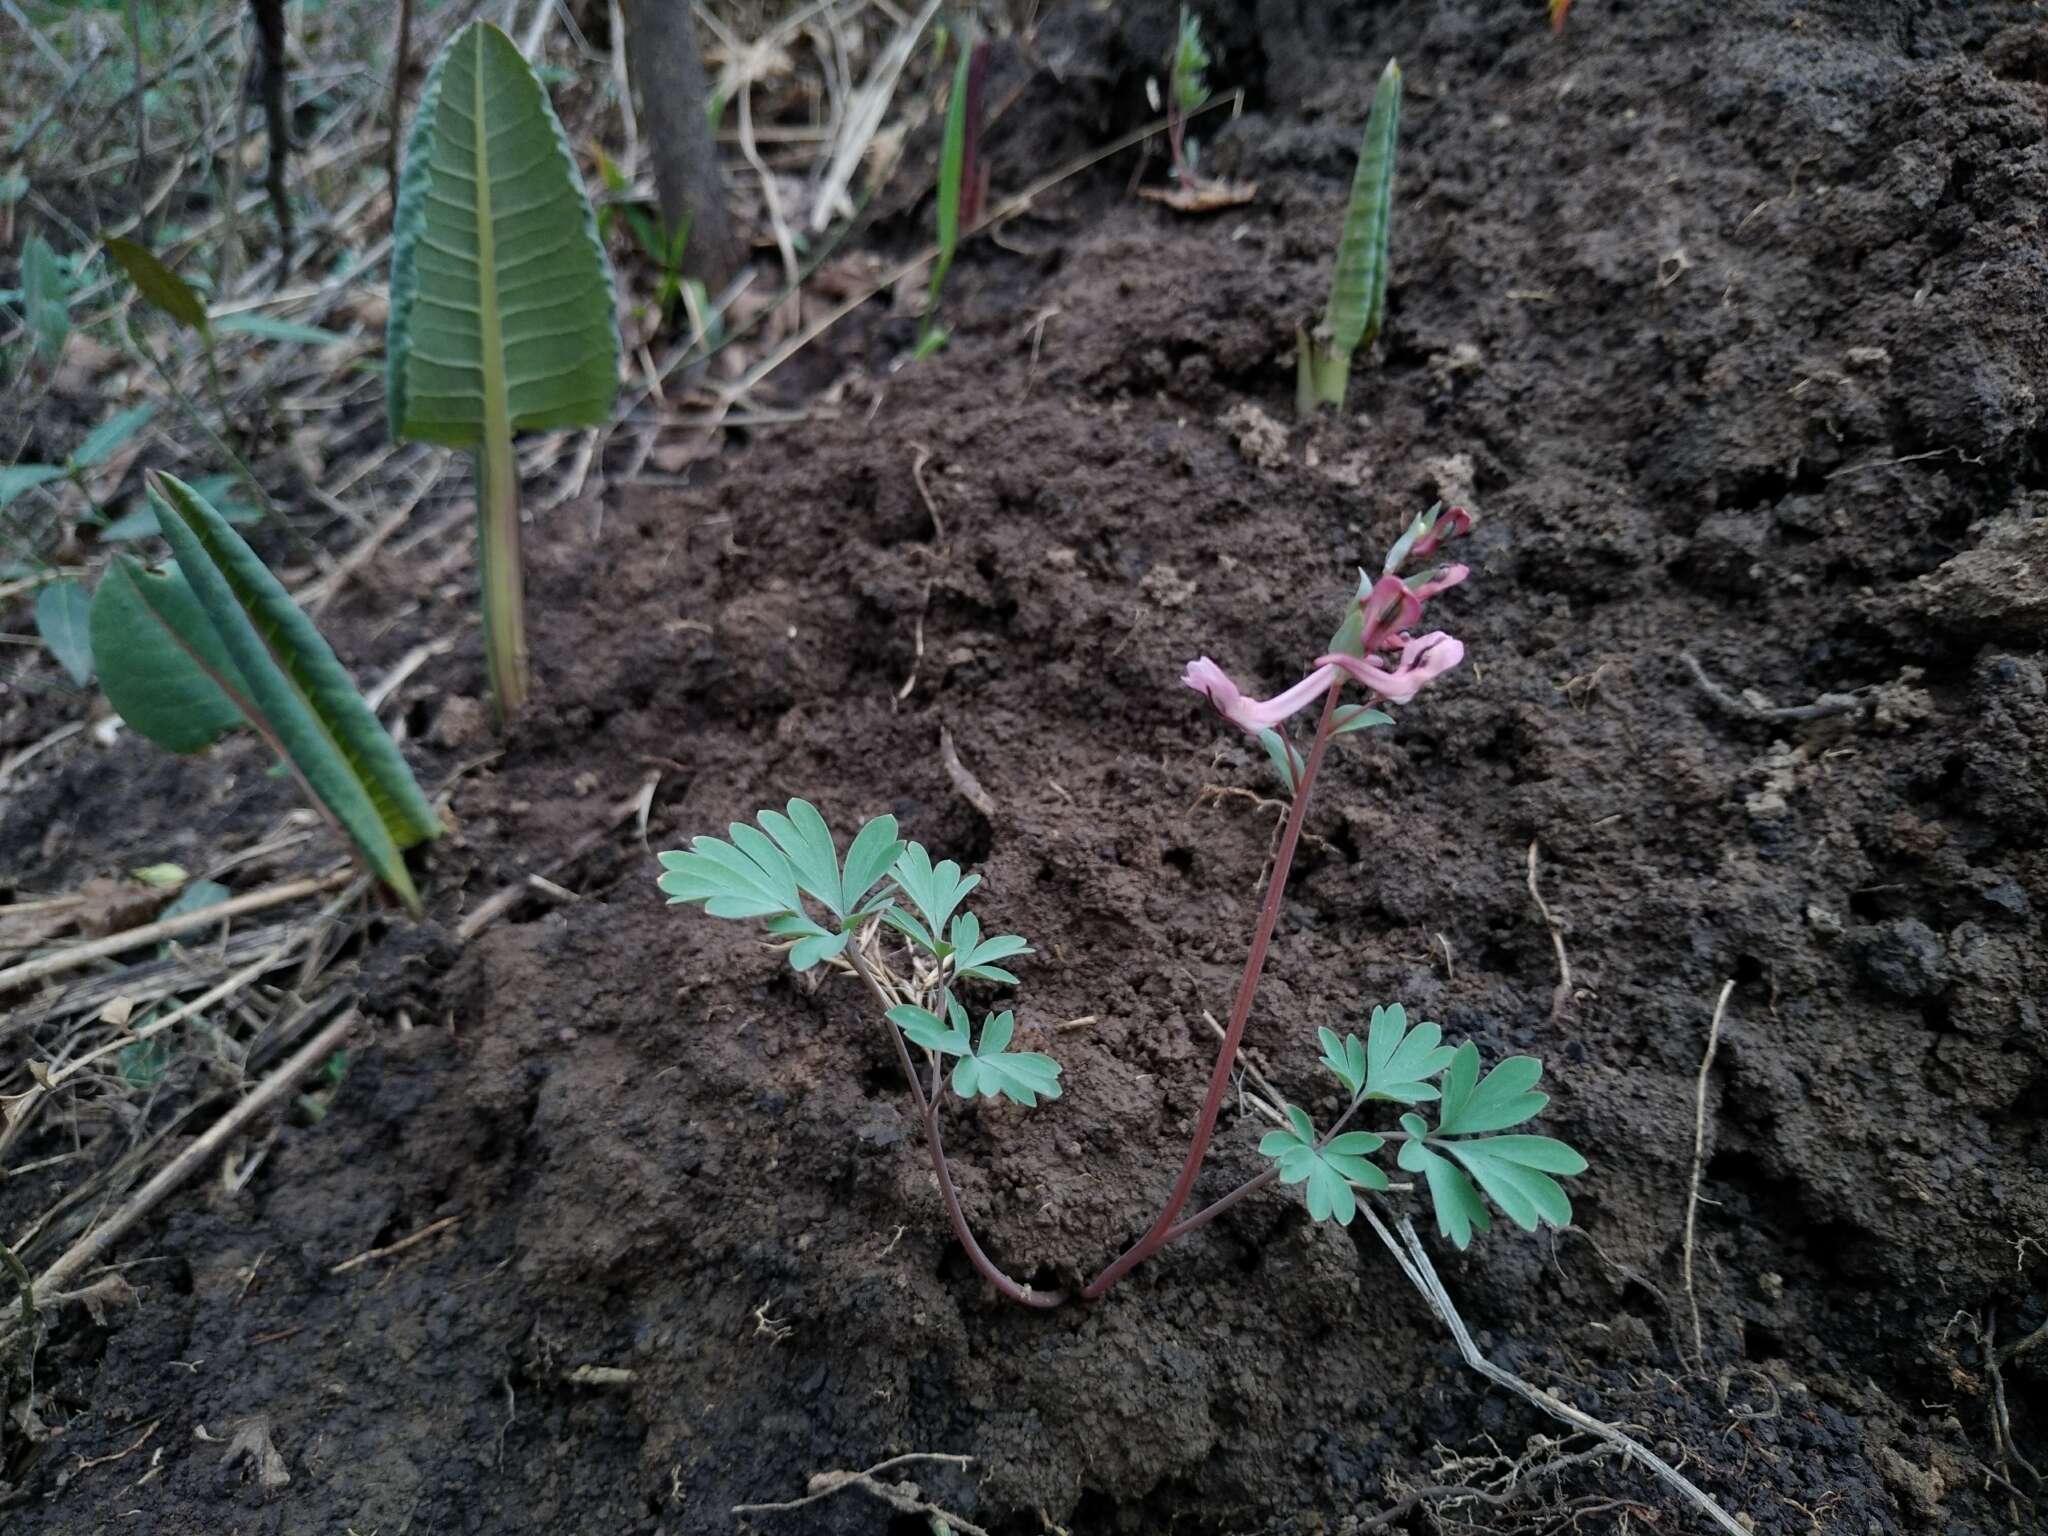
(1454, 524)
(1254, 715)
(1424, 659)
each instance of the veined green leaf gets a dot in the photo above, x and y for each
(875, 850)
(157, 283)
(501, 299)
(1024, 1077)
(102, 441)
(16, 478)
(295, 690)
(45, 296)
(161, 665)
(748, 877)
(64, 620)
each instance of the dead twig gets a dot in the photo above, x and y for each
(902, 1497)
(391, 1250)
(963, 780)
(1561, 995)
(1826, 707)
(1699, 1160)
(100, 1239)
(1413, 1258)
(45, 966)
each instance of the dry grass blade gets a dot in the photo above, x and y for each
(100, 1239)
(46, 966)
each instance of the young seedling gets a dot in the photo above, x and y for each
(960, 184)
(1187, 92)
(501, 301)
(1187, 87)
(913, 946)
(665, 248)
(893, 918)
(1358, 292)
(1377, 646)
(189, 652)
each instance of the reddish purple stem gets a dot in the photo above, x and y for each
(1163, 1230)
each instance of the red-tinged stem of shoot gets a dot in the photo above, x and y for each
(928, 1106)
(1163, 1230)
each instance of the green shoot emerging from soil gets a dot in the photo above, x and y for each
(893, 918)
(960, 184)
(501, 301)
(1358, 292)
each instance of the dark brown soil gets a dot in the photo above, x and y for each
(1736, 313)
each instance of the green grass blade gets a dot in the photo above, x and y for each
(952, 172)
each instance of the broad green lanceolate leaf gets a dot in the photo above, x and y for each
(1459, 1210)
(974, 957)
(158, 283)
(219, 491)
(936, 890)
(922, 1027)
(1345, 1058)
(1358, 294)
(160, 663)
(102, 441)
(1502, 1100)
(45, 296)
(748, 877)
(1285, 759)
(1329, 1171)
(1399, 1061)
(16, 478)
(1024, 1077)
(64, 620)
(301, 695)
(1358, 717)
(501, 300)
